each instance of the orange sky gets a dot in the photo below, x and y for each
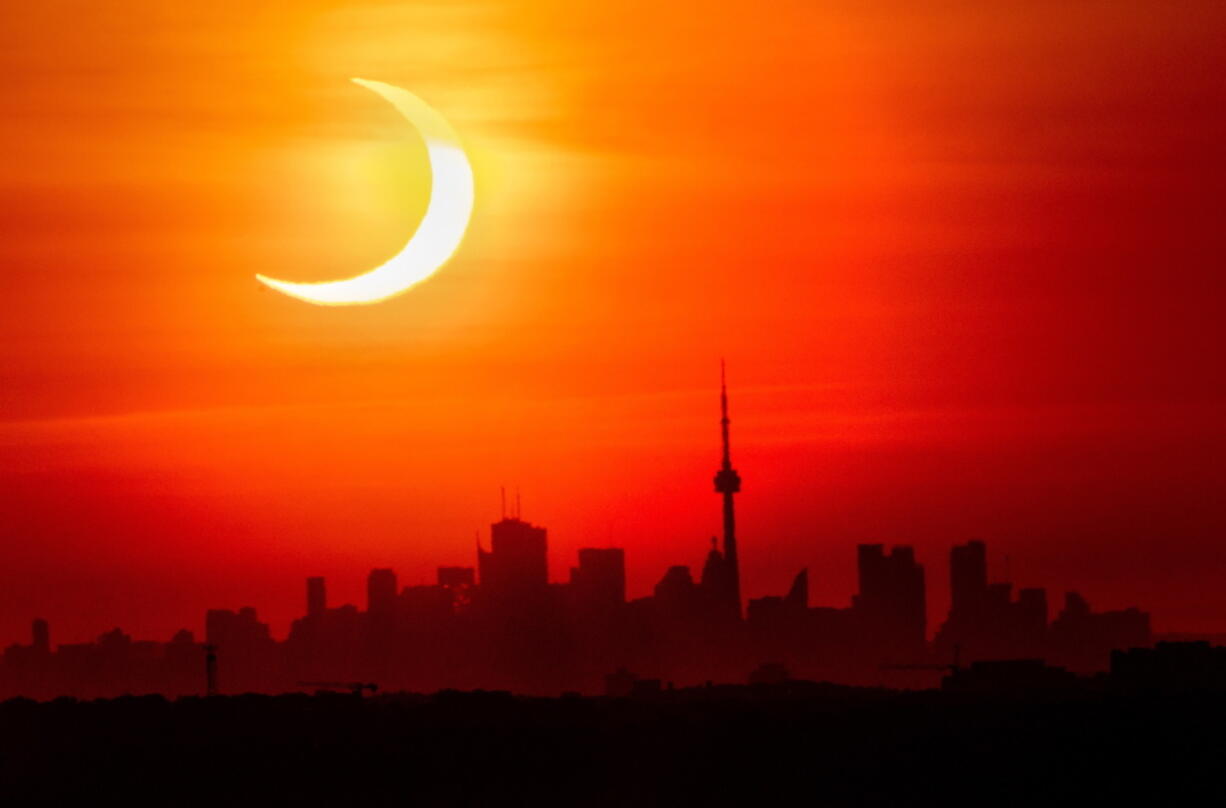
(964, 260)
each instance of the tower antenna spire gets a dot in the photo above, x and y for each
(723, 411)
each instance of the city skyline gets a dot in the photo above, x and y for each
(727, 484)
(502, 623)
(878, 639)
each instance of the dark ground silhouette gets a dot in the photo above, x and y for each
(795, 743)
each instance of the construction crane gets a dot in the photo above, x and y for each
(355, 688)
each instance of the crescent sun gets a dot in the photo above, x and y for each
(438, 235)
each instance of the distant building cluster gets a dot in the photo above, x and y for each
(504, 625)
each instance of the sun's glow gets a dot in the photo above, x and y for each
(438, 235)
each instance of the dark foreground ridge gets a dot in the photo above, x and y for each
(791, 743)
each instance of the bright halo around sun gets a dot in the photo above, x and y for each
(438, 235)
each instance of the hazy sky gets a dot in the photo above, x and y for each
(964, 260)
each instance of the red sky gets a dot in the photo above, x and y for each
(964, 261)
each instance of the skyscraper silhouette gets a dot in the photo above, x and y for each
(968, 579)
(727, 484)
(515, 565)
(891, 601)
(599, 582)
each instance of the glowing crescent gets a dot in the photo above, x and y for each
(441, 229)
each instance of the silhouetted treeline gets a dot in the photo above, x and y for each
(793, 743)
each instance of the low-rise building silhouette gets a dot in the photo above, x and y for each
(504, 625)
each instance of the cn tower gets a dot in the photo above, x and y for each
(728, 483)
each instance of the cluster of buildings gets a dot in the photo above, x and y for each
(504, 625)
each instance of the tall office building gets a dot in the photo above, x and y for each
(516, 561)
(891, 602)
(968, 578)
(985, 621)
(599, 582)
